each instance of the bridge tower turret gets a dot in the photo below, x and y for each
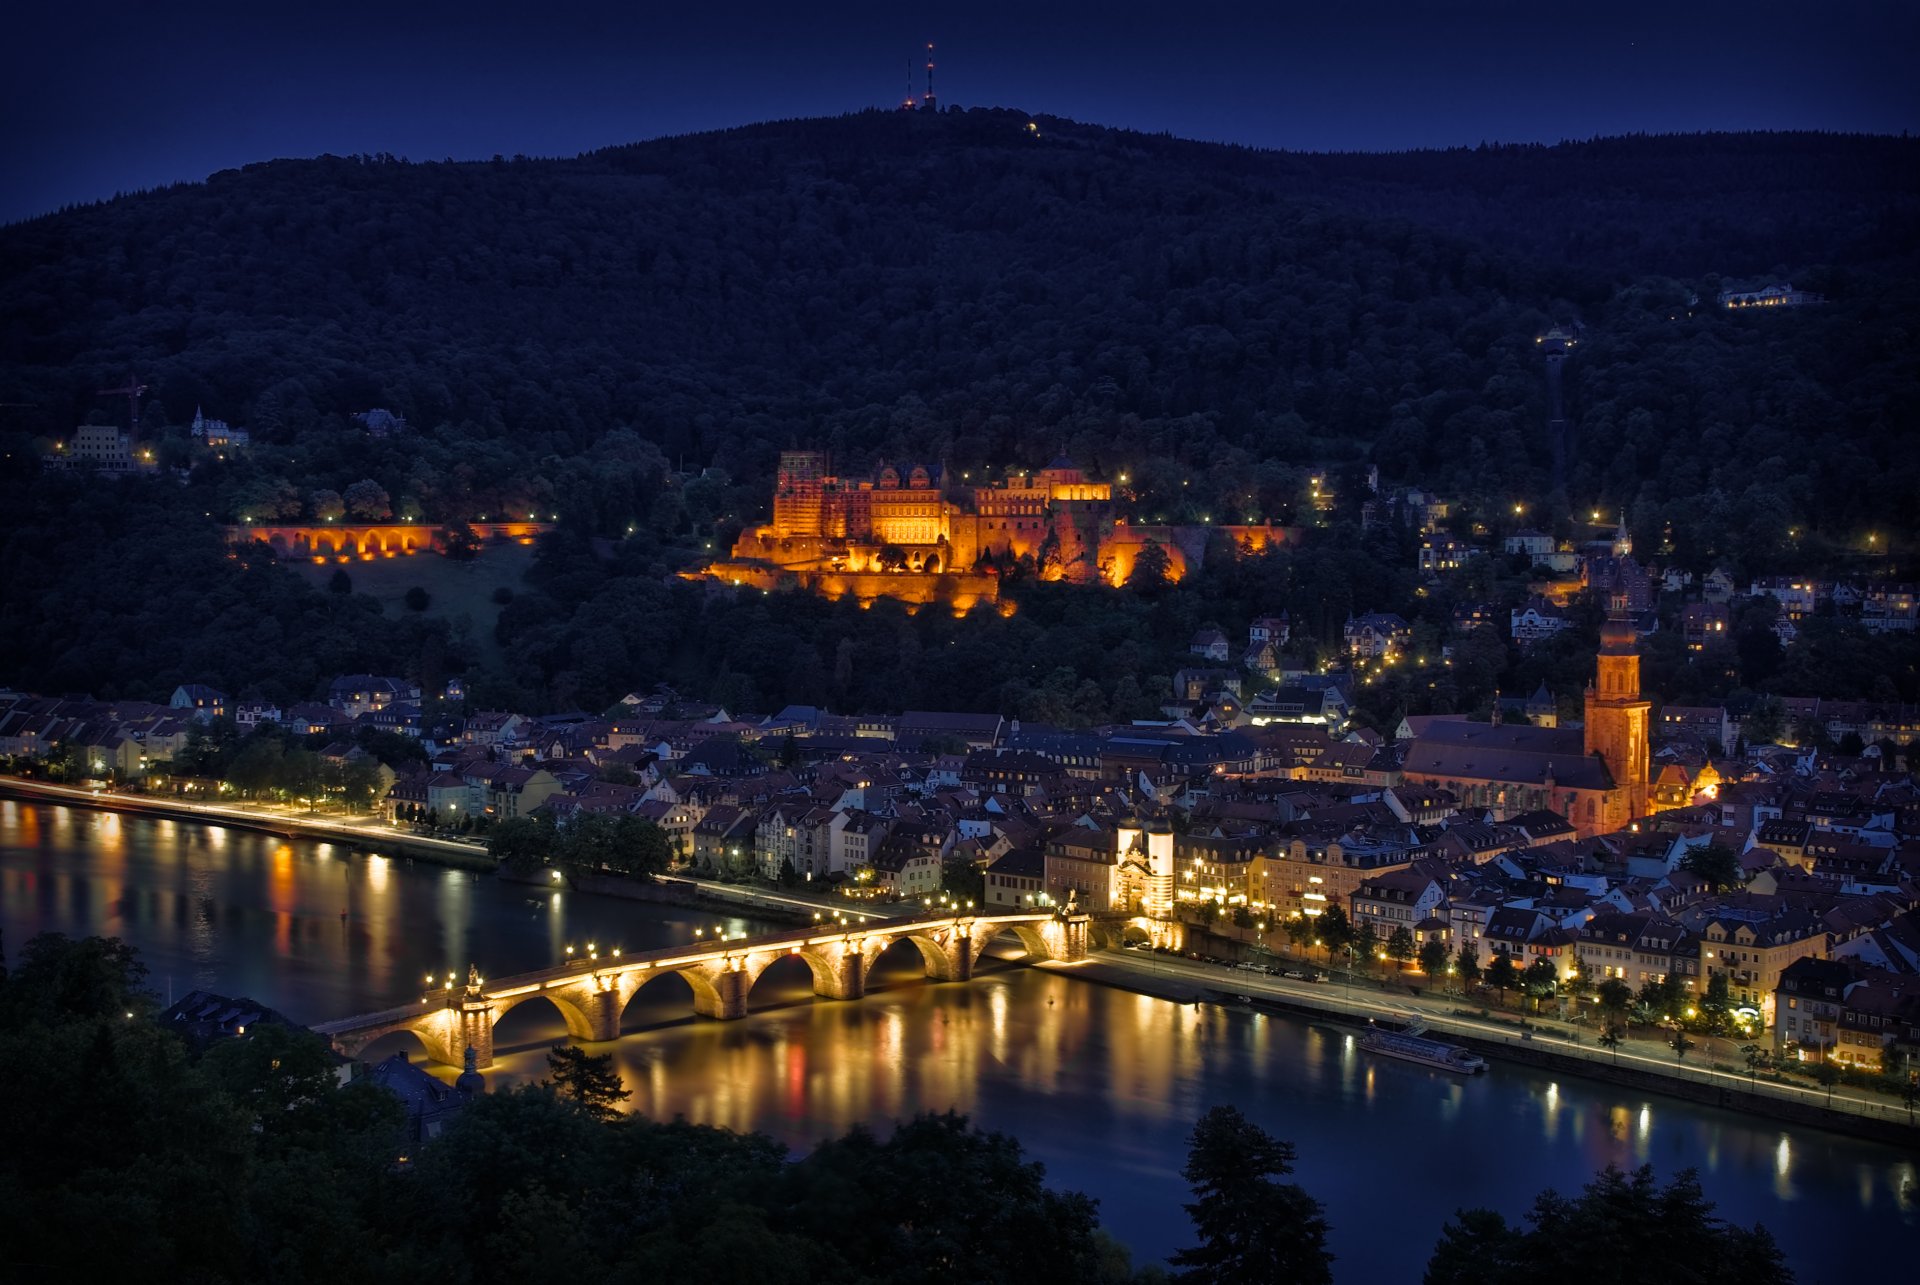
(472, 1017)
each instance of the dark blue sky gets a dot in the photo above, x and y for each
(102, 97)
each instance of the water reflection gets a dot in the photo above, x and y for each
(1101, 1085)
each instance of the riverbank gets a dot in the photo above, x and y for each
(1182, 981)
(369, 836)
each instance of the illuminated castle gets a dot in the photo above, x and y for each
(909, 532)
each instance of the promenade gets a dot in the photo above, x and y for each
(1642, 1060)
(367, 832)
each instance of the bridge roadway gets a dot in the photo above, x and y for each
(591, 993)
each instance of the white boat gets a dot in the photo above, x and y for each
(1410, 1046)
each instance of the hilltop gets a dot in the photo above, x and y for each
(965, 286)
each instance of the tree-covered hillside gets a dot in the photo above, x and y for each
(966, 286)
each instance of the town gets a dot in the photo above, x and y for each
(1715, 870)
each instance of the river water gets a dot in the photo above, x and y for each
(1101, 1085)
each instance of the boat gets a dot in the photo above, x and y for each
(1411, 1045)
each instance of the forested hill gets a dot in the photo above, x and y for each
(982, 287)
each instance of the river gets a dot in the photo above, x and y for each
(1099, 1084)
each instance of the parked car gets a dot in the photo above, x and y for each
(1316, 977)
(1296, 975)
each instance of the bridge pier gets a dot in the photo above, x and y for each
(724, 997)
(472, 1023)
(839, 973)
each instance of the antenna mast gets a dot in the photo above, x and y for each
(928, 105)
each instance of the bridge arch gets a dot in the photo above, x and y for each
(934, 955)
(699, 988)
(1028, 935)
(822, 963)
(579, 1024)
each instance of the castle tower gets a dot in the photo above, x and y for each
(799, 493)
(1617, 716)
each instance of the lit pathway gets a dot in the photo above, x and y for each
(1362, 997)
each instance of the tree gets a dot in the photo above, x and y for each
(418, 599)
(522, 845)
(1334, 930)
(1618, 1218)
(340, 581)
(1610, 1039)
(1253, 1229)
(1433, 957)
(962, 880)
(367, 500)
(1615, 998)
(1467, 965)
(1541, 980)
(1717, 1001)
(587, 1080)
(1502, 975)
(1717, 864)
(1400, 946)
(326, 506)
(1366, 943)
(1152, 568)
(1680, 1045)
(461, 542)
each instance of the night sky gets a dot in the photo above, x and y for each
(102, 97)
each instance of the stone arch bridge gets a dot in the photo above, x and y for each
(591, 994)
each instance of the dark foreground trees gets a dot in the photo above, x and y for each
(138, 1160)
(1613, 1230)
(1253, 1227)
(126, 1156)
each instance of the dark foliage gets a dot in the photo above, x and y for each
(1610, 1232)
(626, 339)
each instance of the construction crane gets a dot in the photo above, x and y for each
(131, 392)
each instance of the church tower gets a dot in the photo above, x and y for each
(1617, 716)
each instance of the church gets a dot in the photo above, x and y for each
(1596, 776)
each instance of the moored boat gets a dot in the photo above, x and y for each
(1410, 1046)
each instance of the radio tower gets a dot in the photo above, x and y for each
(928, 103)
(906, 104)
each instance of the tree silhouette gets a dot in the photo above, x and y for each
(1253, 1228)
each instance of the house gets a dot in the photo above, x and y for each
(1210, 643)
(250, 714)
(486, 729)
(921, 729)
(1717, 586)
(206, 703)
(1775, 296)
(1079, 867)
(430, 1103)
(1751, 939)
(357, 694)
(1635, 947)
(1378, 635)
(1324, 705)
(1441, 553)
(1398, 898)
(1807, 1004)
(1269, 629)
(1703, 625)
(1537, 620)
(905, 865)
(1893, 608)
(1534, 544)
(1797, 597)
(1017, 880)
(724, 837)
